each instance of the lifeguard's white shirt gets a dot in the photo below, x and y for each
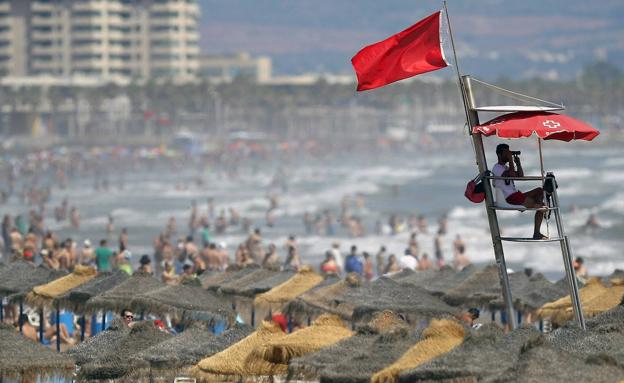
(508, 189)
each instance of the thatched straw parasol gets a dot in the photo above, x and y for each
(326, 330)
(232, 362)
(181, 300)
(122, 361)
(120, 296)
(23, 358)
(485, 356)
(186, 349)
(437, 282)
(439, 338)
(304, 280)
(259, 286)
(76, 298)
(43, 295)
(231, 287)
(604, 336)
(96, 347)
(556, 311)
(603, 302)
(478, 289)
(542, 362)
(19, 277)
(213, 281)
(321, 298)
(355, 359)
(415, 303)
(532, 295)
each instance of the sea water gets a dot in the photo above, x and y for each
(406, 182)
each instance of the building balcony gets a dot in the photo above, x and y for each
(44, 64)
(45, 50)
(86, 49)
(94, 35)
(45, 35)
(92, 5)
(44, 21)
(39, 6)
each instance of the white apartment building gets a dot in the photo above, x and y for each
(107, 40)
(222, 68)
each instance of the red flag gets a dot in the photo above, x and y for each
(414, 51)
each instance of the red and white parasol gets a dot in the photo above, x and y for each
(548, 126)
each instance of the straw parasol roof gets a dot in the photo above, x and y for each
(326, 330)
(485, 356)
(213, 281)
(263, 285)
(437, 282)
(189, 347)
(304, 280)
(541, 362)
(19, 277)
(120, 296)
(439, 338)
(43, 295)
(321, 298)
(556, 310)
(532, 295)
(22, 357)
(385, 294)
(355, 359)
(604, 336)
(182, 299)
(478, 289)
(235, 360)
(603, 302)
(98, 346)
(76, 298)
(231, 287)
(122, 361)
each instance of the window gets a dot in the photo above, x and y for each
(165, 43)
(86, 28)
(42, 57)
(161, 15)
(87, 56)
(45, 15)
(165, 56)
(83, 42)
(86, 13)
(164, 28)
(42, 43)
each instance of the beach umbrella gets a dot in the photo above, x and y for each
(235, 361)
(556, 311)
(120, 296)
(485, 356)
(304, 280)
(439, 338)
(326, 330)
(96, 347)
(24, 359)
(19, 278)
(232, 287)
(604, 336)
(604, 301)
(260, 283)
(181, 352)
(122, 361)
(213, 281)
(76, 298)
(532, 295)
(43, 295)
(541, 362)
(321, 298)
(355, 359)
(546, 125)
(478, 289)
(437, 282)
(414, 302)
(188, 299)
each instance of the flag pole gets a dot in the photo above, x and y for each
(459, 79)
(472, 119)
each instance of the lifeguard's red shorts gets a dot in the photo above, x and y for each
(516, 198)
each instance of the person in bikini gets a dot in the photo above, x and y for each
(530, 199)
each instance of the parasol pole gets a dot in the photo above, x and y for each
(539, 146)
(472, 120)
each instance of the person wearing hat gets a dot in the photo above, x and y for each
(146, 264)
(531, 199)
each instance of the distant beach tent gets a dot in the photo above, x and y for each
(24, 360)
(548, 126)
(43, 295)
(439, 338)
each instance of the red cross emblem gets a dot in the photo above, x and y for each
(551, 124)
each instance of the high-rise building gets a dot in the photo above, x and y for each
(103, 39)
